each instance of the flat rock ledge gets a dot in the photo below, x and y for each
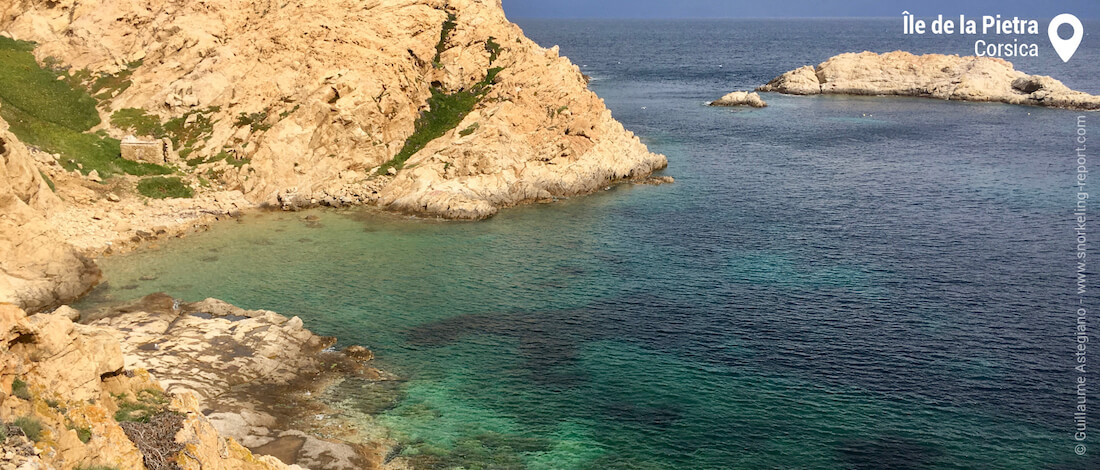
(741, 98)
(947, 77)
(257, 376)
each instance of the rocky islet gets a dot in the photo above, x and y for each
(946, 77)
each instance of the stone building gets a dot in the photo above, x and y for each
(157, 151)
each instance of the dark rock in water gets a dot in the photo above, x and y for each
(655, 180)
(358, 353)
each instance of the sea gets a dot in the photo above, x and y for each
(831, 282)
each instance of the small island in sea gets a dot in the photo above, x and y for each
(946, 77)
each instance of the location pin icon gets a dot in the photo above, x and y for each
(1065, 47)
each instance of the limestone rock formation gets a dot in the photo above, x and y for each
(251, 372)
(64, 387)
(947, 77)
(741, 98)
(37, 268)
(322, 98)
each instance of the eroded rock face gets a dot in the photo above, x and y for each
(741, 98)
(332, 90)
(939, 76)
(37, 268)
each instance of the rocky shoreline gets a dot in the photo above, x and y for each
(946, 77)
(255, 375)
(230, 385)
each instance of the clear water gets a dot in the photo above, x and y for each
(831, 283)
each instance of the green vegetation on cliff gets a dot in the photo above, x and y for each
(142, 407)
(31, 427)
(445, 110)
(444, 34)
(20, 389)
(55, 116)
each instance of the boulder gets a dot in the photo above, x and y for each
(741, 98)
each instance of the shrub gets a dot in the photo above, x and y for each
(142, 408)
(444, 34)
(20, 390)
(254, 121)
(84, 434)
(32, 428)
(162, 187)
(156, 439)
(493, 49)
(469, 130)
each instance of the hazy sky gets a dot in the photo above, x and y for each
(1089, 9)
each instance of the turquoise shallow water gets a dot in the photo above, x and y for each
(831, 283)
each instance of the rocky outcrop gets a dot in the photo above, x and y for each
(318, 95)
(946, 77)
(741, 98)
(67, 394)
(37, 268)
(254, 374)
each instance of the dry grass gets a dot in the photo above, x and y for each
(156, 439)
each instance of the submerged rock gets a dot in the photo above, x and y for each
(947, 77)
(741, 98)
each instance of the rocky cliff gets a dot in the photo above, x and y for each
(427, 106)
(946, 77)
(37, 267)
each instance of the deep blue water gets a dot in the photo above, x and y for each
(832, 282)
